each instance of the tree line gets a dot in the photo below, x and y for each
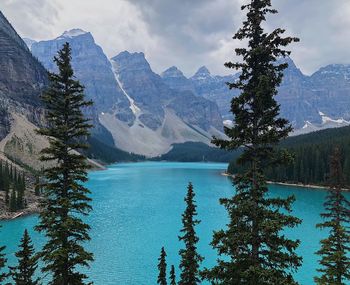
(13, 183)
(311, 155)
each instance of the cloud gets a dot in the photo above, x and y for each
(31, 17)
(187, 33)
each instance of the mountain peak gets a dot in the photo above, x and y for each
(203, 70)
(127, 54)
(73, 33)
(133, 61)
(172, 72)
(202, 73)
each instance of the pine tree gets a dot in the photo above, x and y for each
(254, 249)
(190, 259)
(66, 200)
(334, 252)
(23, 273)
(13, 201)
(3, 261)
(172, 275)
(37, 186)
(162, 268)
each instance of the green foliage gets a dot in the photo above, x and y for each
(162, 268)
(311, 153)
(24, 272)
(172, 275)
(37, 186)
(253, 249)
(195, 151)
(12, 181)
(334, 252)
(3, 261)
(66, 199)
(108, 154)
(190, 259)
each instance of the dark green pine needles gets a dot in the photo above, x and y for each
(253, 247)
(334, 252)
(3, 261)
(23, 273)
(172, 275)
(66, 201)
(190, 259)
(162, 268)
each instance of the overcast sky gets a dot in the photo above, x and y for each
(186, 33)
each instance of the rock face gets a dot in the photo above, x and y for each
(131, 101)
(152, 95)
(94, 70)
(310, 103)
(176, 80)
(21, 75)
(22, 78)
(162, 115)
(203, 84)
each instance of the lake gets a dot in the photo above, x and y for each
(137, 210)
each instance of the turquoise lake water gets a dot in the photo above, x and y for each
(137, 210)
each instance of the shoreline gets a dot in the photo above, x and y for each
(9, 216)
(297, 185)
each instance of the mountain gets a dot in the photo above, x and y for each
(94, 70)
(310, 103)
(134, 109)
(22, 79)
(203, 84)
(176, 80)
(162, 116)
(21, 75)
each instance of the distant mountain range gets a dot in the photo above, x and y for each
(142, 112)
(310, 103)
(139, 110)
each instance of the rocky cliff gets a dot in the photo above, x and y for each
(22, 79)
(310, 103)
(131, 101)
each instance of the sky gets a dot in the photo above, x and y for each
(187, 33)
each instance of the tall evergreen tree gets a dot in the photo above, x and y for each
(66, 199)
(3, 261)
(334, 252)
(162, 268)
(172, 275)
(37, 186)
(254, 249)
(23, 273)
(13, 201)
(190, 259)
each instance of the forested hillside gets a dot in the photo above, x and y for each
(311, 157)
(195, 152)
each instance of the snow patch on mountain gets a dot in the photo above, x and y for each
(327, 122)
(72, 34)
(326, 119)
(136, 110)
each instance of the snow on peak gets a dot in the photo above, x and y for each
(73, 33)
(172, 72)
(326, 119)
(202, 74)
